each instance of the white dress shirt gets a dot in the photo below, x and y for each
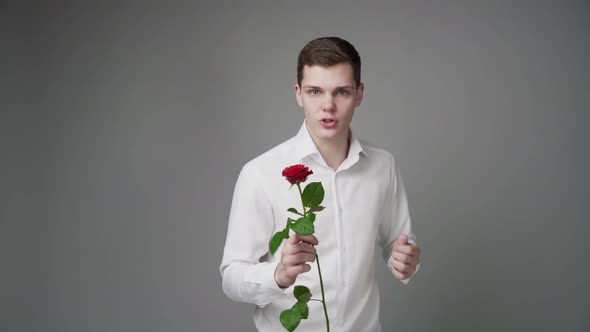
(365, 204)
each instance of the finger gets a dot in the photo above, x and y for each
(399, 275)
(406, 249)
(296, 238)
(401, 267)
(305, 247)
(417, 250)
(403, 258)
(301, 247)
(298, 259)
(407, 259)
(400, 242)
(406, 270)
(304, 258)
(311, 239)
(298, 269)
(414, 250)
(402, 239)
(293, 239)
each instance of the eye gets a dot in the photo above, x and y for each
(343, 92)
(314, 92)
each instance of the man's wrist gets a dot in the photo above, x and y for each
(277, 279)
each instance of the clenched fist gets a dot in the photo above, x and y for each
(297, 251)
(406, 257)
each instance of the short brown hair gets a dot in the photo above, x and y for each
(328, 51)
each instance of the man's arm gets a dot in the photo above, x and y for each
(244, 277)
(395, 223)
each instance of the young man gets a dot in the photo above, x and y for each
(365, 204)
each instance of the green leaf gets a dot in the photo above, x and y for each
(313, 194)
(277, 239)
(311, 216)
(302, 293)
(302, 308)
(290, 319)
(295, 211)
(290, 221)
(316, 208)
(303, 226)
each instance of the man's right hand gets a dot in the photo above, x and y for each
(296, 252)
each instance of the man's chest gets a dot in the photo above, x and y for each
(353, 202)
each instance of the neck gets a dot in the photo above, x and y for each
(335, 151)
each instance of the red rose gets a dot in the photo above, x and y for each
(297, 173)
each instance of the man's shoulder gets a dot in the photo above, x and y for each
(376, 152)
(277, 156)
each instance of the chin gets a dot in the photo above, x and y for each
(332, 134)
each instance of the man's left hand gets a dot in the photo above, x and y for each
(406, 257)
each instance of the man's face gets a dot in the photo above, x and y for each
(328, 93)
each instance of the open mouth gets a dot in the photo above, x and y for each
(328, 123)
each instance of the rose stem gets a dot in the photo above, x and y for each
(317, 260)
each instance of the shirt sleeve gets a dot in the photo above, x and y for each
(396, 218)
(246, 276)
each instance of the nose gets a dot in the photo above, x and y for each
(328, 105)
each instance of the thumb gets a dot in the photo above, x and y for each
(403, 239)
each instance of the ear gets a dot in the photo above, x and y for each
(298, 94)
(359, 94)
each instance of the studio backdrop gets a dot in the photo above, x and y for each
(125, 127)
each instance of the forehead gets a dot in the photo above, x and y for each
(340, 74)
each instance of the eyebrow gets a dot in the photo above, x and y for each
(337, 88)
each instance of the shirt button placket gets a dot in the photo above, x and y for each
(344, 250)
(339, 313)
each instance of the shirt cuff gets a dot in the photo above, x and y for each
(267, 281)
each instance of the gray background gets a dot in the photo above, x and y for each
(124, 129)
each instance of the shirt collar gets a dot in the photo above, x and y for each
(305, 146)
